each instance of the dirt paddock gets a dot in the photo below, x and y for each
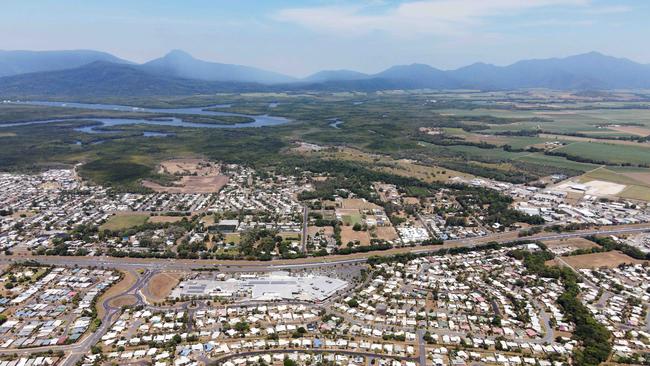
(576, 243)
(161, 285)
(596, 260)
(191, 184)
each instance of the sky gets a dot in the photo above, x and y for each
(301, 37)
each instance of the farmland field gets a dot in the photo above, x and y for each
(557, 161)
(612, 154)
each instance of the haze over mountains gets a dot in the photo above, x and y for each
(92, 73)
(22, 62)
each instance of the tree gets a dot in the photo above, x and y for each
(289, 362)
(353, 303)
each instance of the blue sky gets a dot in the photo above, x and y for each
(301, 37)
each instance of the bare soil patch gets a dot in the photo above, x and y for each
(489, 139)
(161, 285)
(349, 235)
(191, 184)
(596, 260)
(195, 176)
(126, 300)
(306, 147)
(386, 233)
(358, 204)
(183, 166)
(576, 243)
(165, 219)
(325, 230)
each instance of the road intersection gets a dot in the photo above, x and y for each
(145, 269)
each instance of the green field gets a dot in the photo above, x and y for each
(125, 221)
(557, 161)
(490, 154)
(232, 237)
(636, 193)
(613, 176)
(637, 189)
(609, 153)
(351, 220)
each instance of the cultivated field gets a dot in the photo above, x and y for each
(592, 140)
(610, 153)
(633, 130)
(557, 161)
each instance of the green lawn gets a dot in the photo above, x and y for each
(352, 219)
(121, 222)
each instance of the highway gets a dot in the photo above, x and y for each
(301, 263)
(74, 352)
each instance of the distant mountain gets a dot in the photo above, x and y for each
(586, 71)
(179, 74)
(412, 76)
(335, 75)
(105, 79)
(22, 62)
(419, 76)
(182, 65)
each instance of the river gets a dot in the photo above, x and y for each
(259, 120)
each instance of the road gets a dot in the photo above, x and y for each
(77, 350)
(369, 355)
(152, 266)
(305, 222)
(302, 263)
(422, 353)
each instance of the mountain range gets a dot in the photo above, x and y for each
(92, 73)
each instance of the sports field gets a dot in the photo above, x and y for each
(124, 221)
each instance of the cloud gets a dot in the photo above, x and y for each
(435, 17)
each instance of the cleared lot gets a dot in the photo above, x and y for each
(608, 259)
